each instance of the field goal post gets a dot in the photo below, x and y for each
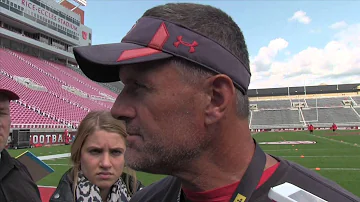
(317, 115)
(316, 104)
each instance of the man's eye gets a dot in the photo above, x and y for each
(139, 85)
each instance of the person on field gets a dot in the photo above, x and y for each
(67, 137)
(186, 73)
(311, 129)
(333, 127)
(16, 183)
(97, 154)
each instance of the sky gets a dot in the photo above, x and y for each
(290, 42)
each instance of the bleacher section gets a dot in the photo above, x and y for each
(23, 117)
(357, 100)
(57, 96)
(61, 97)
(273, 104)
(357, 110)
(269, 118)
(326, 102)
(45, 102)
(332, 115)
(321, 112)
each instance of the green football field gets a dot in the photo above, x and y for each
(336, 154)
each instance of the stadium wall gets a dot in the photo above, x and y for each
(41, 139)
(305, 90)
(301, 129)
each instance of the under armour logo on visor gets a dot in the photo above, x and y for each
(180, 41)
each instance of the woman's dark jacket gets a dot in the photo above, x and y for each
(64, 190)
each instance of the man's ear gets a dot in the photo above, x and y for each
(221, 92)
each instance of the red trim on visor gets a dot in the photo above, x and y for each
(136, 53)
(157, 42)
(160, 37)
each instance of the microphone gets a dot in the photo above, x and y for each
(288, 192)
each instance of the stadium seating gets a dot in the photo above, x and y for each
(331, 115)
(326, 102)
(273, 104)
(357, 110)
(54, 104)
(37, 70)
(275, 117)
(61, 96)
(357, 100)
(278, 113)
(44, 102)
(23, 117)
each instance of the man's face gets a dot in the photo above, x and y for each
(164, 118)
(4, 121)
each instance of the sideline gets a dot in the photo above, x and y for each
(337, 141)
(337, 169)
(54, 156)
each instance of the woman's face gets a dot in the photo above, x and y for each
(102, 158)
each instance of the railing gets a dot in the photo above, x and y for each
(277, 126)
(307, 96)
(290, 126)
(43, 126)
(355, 111)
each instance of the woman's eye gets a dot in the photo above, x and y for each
(95, 151)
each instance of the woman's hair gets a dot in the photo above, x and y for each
(94, 121)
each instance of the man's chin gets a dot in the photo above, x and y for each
(145, 162)
(133, 157)
(138, 161)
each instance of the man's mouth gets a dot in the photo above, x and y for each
(133, 134)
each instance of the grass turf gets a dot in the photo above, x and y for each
(336, 154)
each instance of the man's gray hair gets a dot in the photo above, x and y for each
(193, 74)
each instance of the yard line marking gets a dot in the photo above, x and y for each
(323, 156)
(352, 144)
(55, 156)
(302, 149)
(43, 186)
(347, 169)
(50, 164)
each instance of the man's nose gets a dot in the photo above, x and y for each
(123, 109)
